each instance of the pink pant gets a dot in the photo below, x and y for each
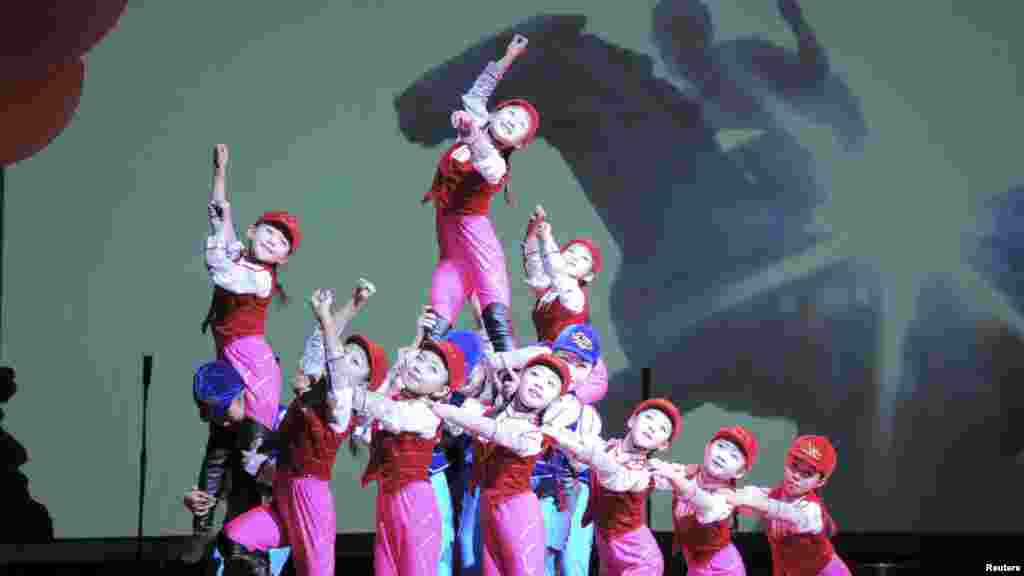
(836, 567)
(301, 515)
(257, 364)
(725, 562)
(408, 541)
(513, 535)
(472, 260)
(633, 554)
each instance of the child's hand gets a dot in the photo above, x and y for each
(220, 157)
(427, 320)
(543, 228)
(363, 290)
(198, 501)
(539, 214)
(463, 122)
(321, 302)
(516, 47)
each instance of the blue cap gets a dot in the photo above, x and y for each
(580, 339)
(216, 384)
(471, 345)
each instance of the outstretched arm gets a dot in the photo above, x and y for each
(519, 436)
(805, 516)
(710, 507)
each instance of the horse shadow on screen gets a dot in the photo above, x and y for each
(697, 211)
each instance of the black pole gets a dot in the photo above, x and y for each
(645, 392)
(147, 377)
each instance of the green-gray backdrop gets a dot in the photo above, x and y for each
(104, 228)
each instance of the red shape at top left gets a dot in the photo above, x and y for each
(35, 34)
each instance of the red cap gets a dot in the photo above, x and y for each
(288, 222)
(668, 408)
(743, 438)
(591, 246)
(530, 110)
(378, 359)
(815, 451)
(556, 364)
(454, 361)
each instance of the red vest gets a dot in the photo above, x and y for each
(550, 318)
(399, 459)
(699, 541)
(234, 316)
(615, 513)
(459, 189)
(801, 554)
(500, 472)
(312, 444)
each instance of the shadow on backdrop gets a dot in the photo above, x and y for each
(695, 218)
(29, 521)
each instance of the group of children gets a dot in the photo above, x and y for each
(487, 454)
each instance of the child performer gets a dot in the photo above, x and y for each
(302, 512)
(507, 445)
(558, 277)
(702, 514)
(448, 471)
(198, 501)
(563, 486)
(403, 439)
(245, 280)
(622, 476)
(578, 346)
(469, 174)
(218, 390)
(799, 526)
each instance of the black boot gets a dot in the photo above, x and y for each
(499, 327)
(440, 329)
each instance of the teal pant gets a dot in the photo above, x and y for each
(444, 506)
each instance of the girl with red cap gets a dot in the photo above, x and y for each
(507, 443)
(558, 278)
(302, 512)
(404, 433)
(702, 514)
(798, 523)
(245, 280)
(622, 475)
(472, 261)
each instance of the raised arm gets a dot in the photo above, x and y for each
(218, 194)
(533, 267)
(475, 100)
(226, 270)
(313, 357)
